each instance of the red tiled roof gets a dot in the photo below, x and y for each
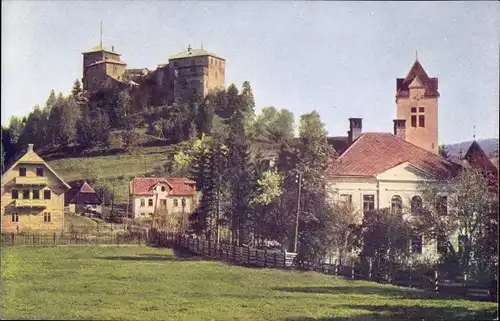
(430, 84)
(180, 186)
(374, 153)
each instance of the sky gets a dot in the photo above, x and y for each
(338, 58)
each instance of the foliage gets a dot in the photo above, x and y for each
(269, 188)
(443, 151)
(472, 215)
(344, 229)
(274, 125)
(385, 239)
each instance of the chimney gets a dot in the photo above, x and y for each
(400, 128)
(30, 147)
(113, 48)
(355, 129)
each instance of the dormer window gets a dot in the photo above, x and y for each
(39, 172)
(22, 171)
(163, 188)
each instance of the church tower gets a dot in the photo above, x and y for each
(417, 102)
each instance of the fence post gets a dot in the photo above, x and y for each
(12, 238)
(248, 256)
(54, 238)
(275, 265)
(336, 268)
(370, 266)
(436, 279)
(265, 257)
(352, 270)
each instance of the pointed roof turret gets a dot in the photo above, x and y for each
(417, 71)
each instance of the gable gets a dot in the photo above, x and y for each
(416, 83)
(405, 172)
(31, 159)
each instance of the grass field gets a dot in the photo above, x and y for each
(142, 283)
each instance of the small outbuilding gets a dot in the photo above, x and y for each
(82, 199)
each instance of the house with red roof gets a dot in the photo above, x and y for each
(149, 195)
(383, 170)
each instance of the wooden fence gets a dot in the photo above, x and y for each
(226, 252)
(275, 259)
(75, 238)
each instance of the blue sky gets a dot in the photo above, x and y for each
(338, 58)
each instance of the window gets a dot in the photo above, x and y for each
(413, 120)
(46, 217)
(396, 204)
(36, 194)
(442, 205)
(150, 214)
(346, 199)
(163, 202)
(142, 214)
(416, 204)
(46, 194)
(368, 203)
(163, 188)
(150, 202)
(416, 244)
(26, 194)
(414, 109)
(15, 218)
(421, 120)
(176, 202)
(442, 245)
(183, 202)
(143, 202)
(421, 109)
(22, 171)
(39, 172)
(15, 194)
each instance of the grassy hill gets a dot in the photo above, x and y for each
(143, 283)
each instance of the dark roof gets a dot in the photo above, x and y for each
(339, 143)
(374, 153)
(430, 84)
(477, 158)
(81, 193)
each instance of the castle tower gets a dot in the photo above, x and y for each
(102, 67)
(196, 70)
(417, 102)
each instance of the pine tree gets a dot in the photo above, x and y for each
(314, 155)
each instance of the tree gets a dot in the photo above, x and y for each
(462, 206)
(84, 129)
(385, 239)
(274, 125)
(443, 151)
(248, 105)
(345, 221)
(314, 156)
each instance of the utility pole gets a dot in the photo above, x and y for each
(299, 180)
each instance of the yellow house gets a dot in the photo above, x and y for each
(32, 196)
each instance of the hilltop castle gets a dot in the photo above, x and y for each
(186, 72)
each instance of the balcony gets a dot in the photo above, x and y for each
(31, 180)
(31, 203)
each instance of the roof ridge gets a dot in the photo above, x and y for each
(352, 144)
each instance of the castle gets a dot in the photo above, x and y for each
(186, 72)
